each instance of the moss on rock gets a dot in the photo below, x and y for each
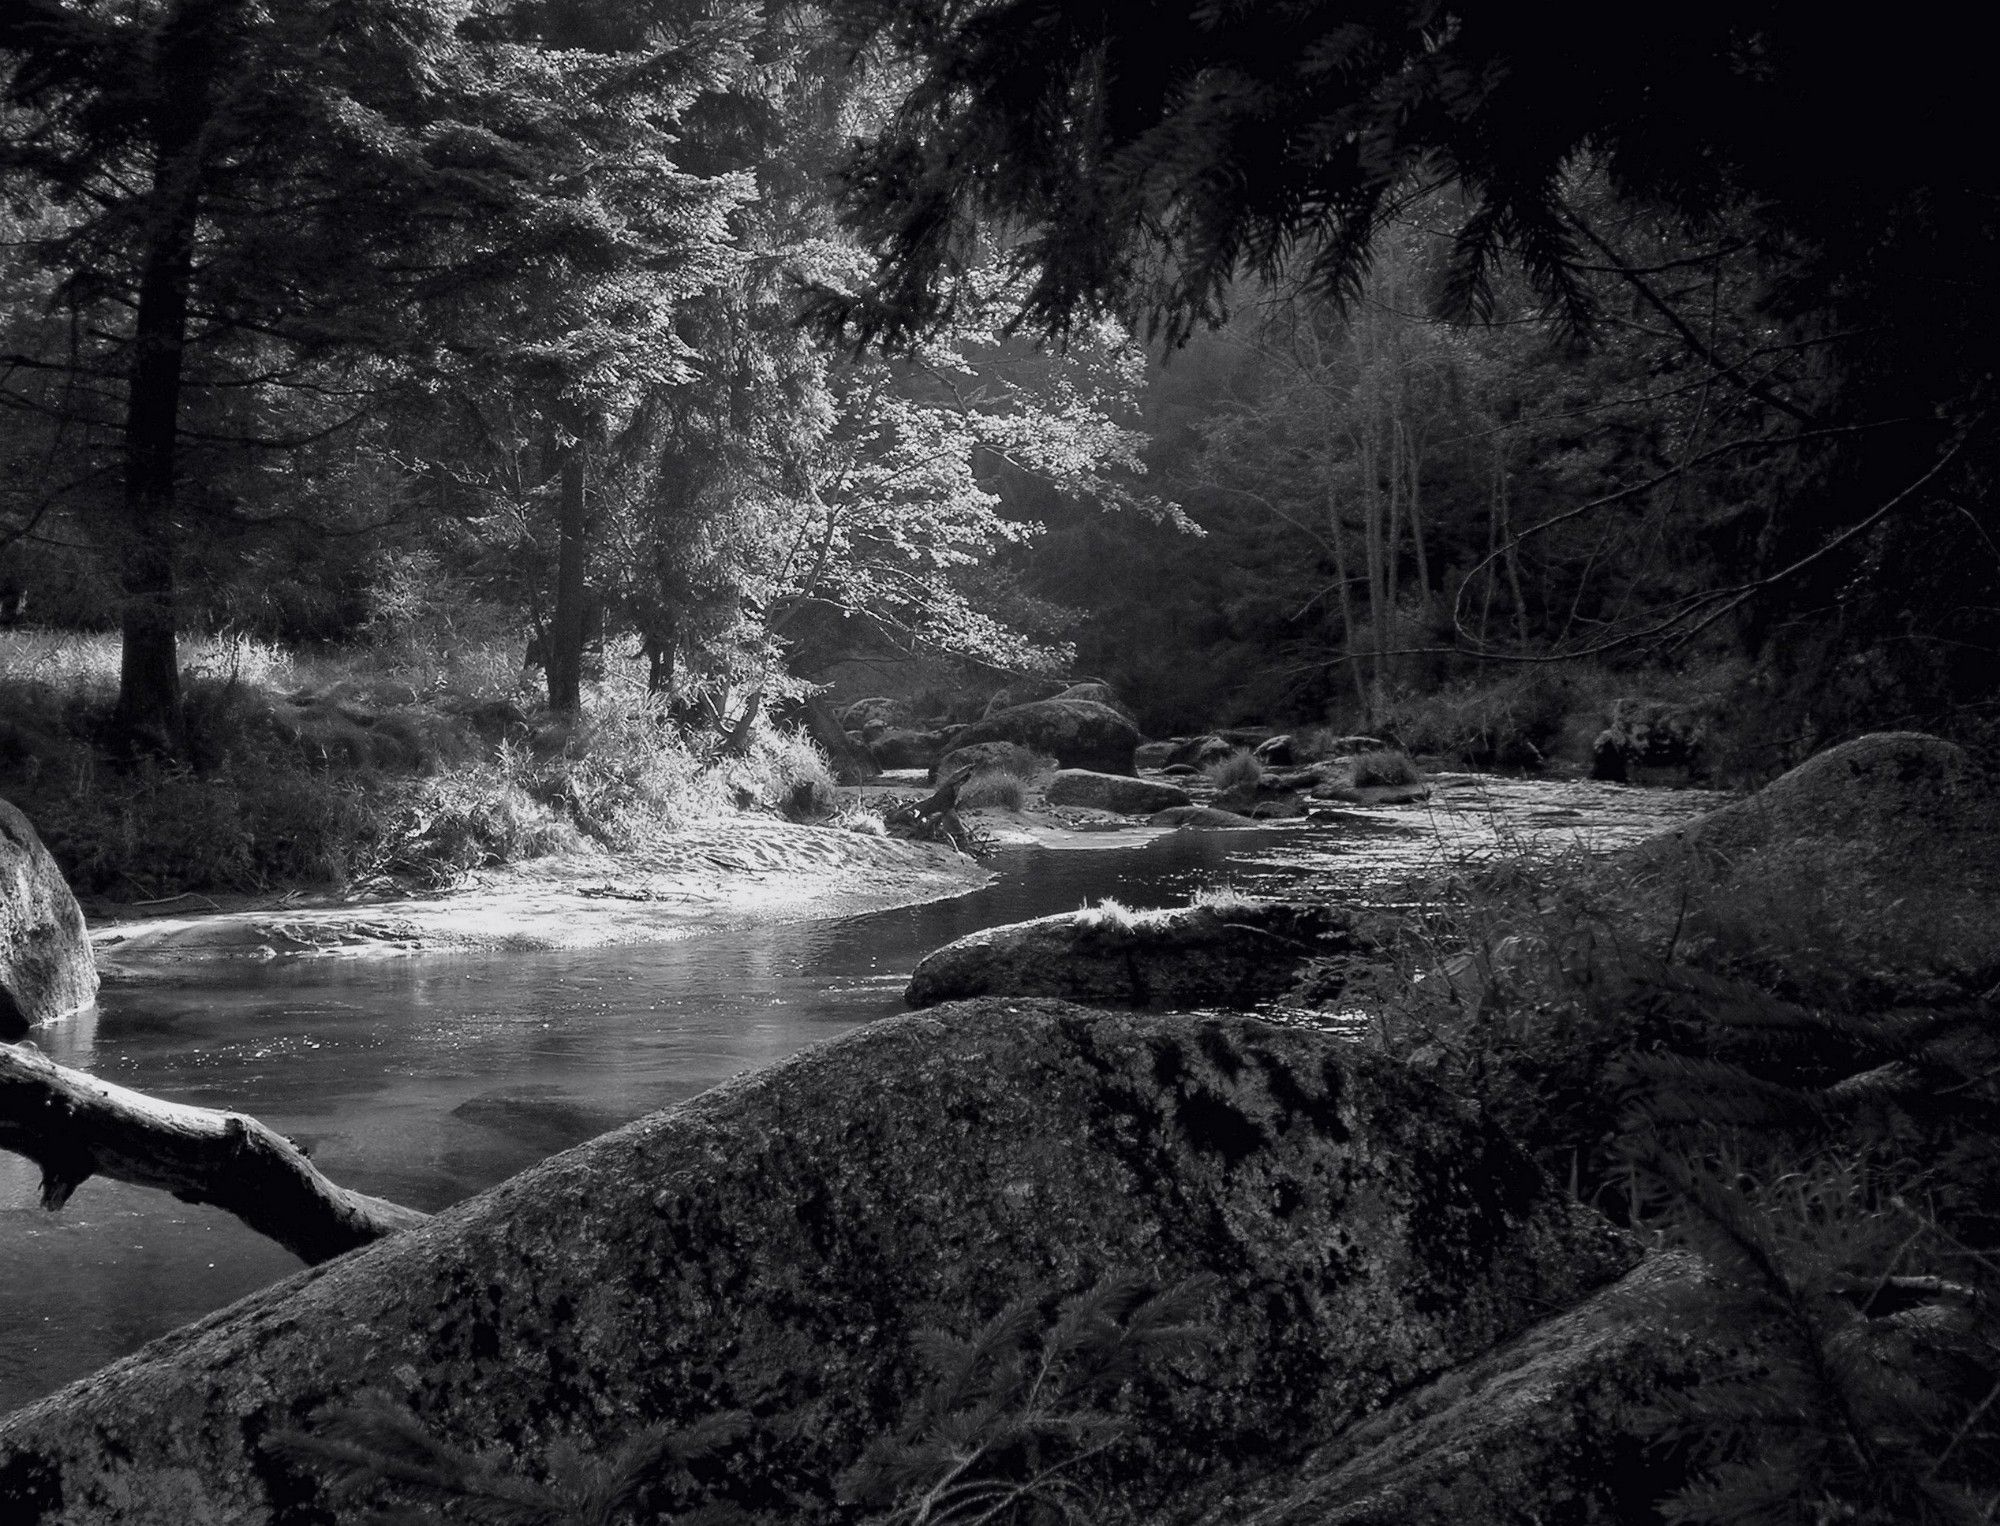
(779, 1244)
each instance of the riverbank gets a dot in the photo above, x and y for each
(708, 878)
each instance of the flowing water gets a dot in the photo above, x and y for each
(427, 1079)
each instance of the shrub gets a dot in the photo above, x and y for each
(993, 787)
(1512, 721)
(1373, 770)
(1240, 768)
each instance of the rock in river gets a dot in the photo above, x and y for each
(1077, 733)
(46, 968)
(1188, 956)
(782, 1244)
(1113, 792)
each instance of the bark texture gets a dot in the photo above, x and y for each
(75, 1126)
(780, 1245)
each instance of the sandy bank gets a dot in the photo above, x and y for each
(711, 877)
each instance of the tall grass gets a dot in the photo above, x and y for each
(1241, 768)
(364, 768)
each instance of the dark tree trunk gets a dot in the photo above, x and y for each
(567, 628)
(149, 697)
(851, 764)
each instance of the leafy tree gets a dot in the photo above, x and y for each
(250, 211)
(1143, 157)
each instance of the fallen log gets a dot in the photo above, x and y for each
(75, 1126)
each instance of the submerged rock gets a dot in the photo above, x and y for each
(1113, 792)
(782, 1244)
(1187, 956)
(1077, 733)
(46, 968)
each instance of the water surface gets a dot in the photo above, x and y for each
(427, 1079)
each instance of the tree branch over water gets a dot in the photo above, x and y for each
(75, 1126)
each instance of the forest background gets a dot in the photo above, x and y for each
(351, 354)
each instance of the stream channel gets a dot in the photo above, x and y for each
(426, 1079)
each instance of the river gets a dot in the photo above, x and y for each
(427, 1079)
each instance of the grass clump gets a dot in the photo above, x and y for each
(1240, 769)
(1513, 721)
(1377, 770)
(994, 787)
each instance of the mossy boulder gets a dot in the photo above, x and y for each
(781, 1244)
(1077, 733)
(1883, 853)
(1230, 955)
(46, 968)
(1113, 792)
(1557, 1425)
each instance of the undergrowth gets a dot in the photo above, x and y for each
(325, 771)
(1242, 767)
(1019, 1424)
(1827, 1139)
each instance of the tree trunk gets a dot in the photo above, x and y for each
(566, 628)
(851, 764)
(149, 690)
(75, 1126)
(1339, 540)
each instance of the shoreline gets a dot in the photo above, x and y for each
(707, 879)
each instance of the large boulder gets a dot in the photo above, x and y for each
(1098, 693)
(786, 1244)
(1215, 954)
(1276, 752)
(46, 968)
(1885, 851)
(1113, 792)
(879, 711)
(1197, 752)
(1559, 1424)
(899, 748)
(1077, 733)
(1024, 691)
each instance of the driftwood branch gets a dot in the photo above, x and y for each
(75, 1126)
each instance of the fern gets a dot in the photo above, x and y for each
(373, 1446)
(1017, 1415)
